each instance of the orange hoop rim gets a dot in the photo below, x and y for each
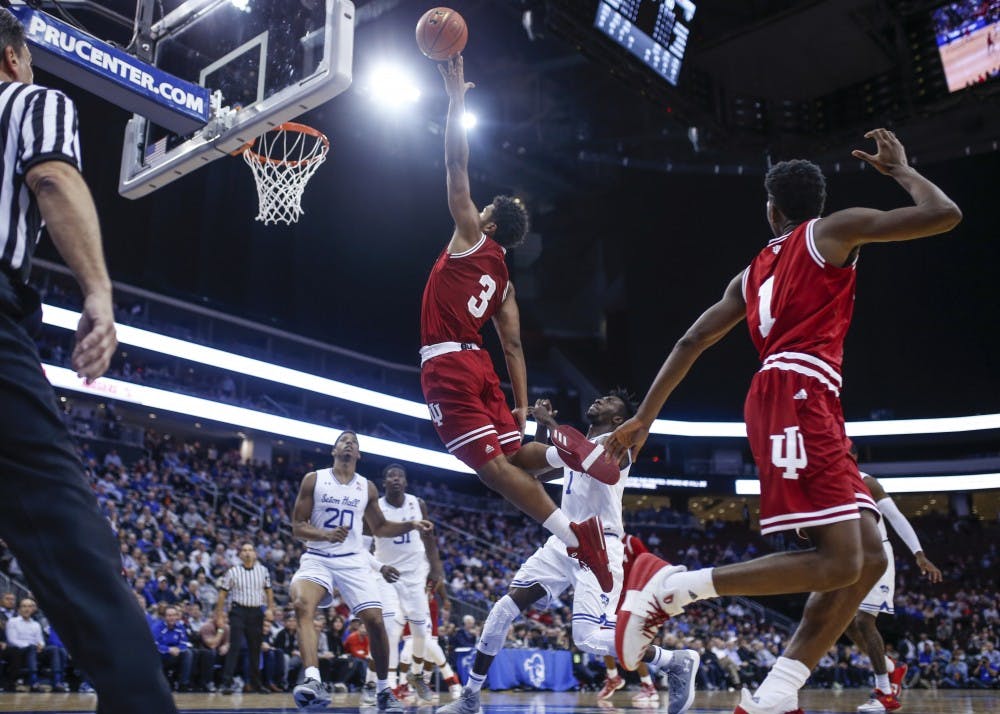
(247, 149)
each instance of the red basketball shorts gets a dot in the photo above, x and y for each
(807, 477)
(468, 408)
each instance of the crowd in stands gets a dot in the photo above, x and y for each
(182, 511)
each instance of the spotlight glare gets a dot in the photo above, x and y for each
(469, 120)
(391, 86)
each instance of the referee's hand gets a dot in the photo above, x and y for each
(95, 337)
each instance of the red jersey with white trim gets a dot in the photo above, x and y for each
(798, 303)
(463, 293)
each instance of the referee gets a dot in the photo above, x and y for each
(48, 514)
(249, 582)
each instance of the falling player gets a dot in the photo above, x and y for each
(550, 571)
(328, 514)
(797, 297)
(888, 674)
(418, 563)
(468, 286)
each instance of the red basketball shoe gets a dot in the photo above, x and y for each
(880, 702)
(592, 551)
(897, 677)
(611, 685)
(647, 605)
(581, 454)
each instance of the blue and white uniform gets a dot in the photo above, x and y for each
(344, 566)
(406, 553)
(552, 568)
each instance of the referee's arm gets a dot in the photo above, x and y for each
(52, 172)
(220, 605)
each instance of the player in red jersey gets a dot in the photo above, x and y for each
(468, 286)
(797, 297)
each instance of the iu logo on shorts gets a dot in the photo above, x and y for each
(436, 416)
(788, 451)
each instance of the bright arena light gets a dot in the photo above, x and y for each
(392, 86)
(906, 484)
(243, 5)
(199, 408)
(193, 352)
(469, 120)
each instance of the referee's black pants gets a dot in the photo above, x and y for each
(248, 623)
(50, 520)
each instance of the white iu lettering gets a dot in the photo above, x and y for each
(788, 451)
(436, 416)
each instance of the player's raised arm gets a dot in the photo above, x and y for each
(709, 328)
(456, 158)
(507, 322)
(384, 528)
(840, 233)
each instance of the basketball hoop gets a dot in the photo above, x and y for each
(282, 161)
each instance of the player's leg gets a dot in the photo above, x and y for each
(826, 616)
(306, 594)
(864, 632)
(50, 520)
(491, 639)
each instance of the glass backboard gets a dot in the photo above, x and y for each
(266, 62)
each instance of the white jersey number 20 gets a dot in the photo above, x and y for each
(477, 305)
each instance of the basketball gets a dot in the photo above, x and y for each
(441, 33)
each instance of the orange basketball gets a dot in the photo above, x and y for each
(441, 33)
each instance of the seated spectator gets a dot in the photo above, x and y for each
(58, 658)
(467, 636)
(174, 646)
(214, 644)
(24, 643)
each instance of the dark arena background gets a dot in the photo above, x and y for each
(639, 147)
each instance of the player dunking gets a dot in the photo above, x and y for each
(797, 297)
(549, 571)
(327, 515)
(863, 630)
(468, 286)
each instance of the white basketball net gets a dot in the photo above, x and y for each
(282, 161)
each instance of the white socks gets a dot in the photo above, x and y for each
(381, 685)
(312, 673)
(612, 672)
(646, 679)
(475, 682)
(890, 666)
(782, 685)
(554, 459)
(558, 525)
(882, 683)
(696, 582)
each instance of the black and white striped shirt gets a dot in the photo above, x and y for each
(36, 125)
(247, 585)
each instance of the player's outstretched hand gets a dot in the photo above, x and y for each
(390, 574)
(544, 414)
(453, 72)
(337, 535)
(423, 526)
(626, 441)
(95, 337)
(890, 154)
(928, 568)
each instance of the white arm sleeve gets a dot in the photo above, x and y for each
(899, 524)
(374, 562)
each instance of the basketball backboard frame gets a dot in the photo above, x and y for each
(231, 127)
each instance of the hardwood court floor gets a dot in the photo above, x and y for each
(813, 701)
